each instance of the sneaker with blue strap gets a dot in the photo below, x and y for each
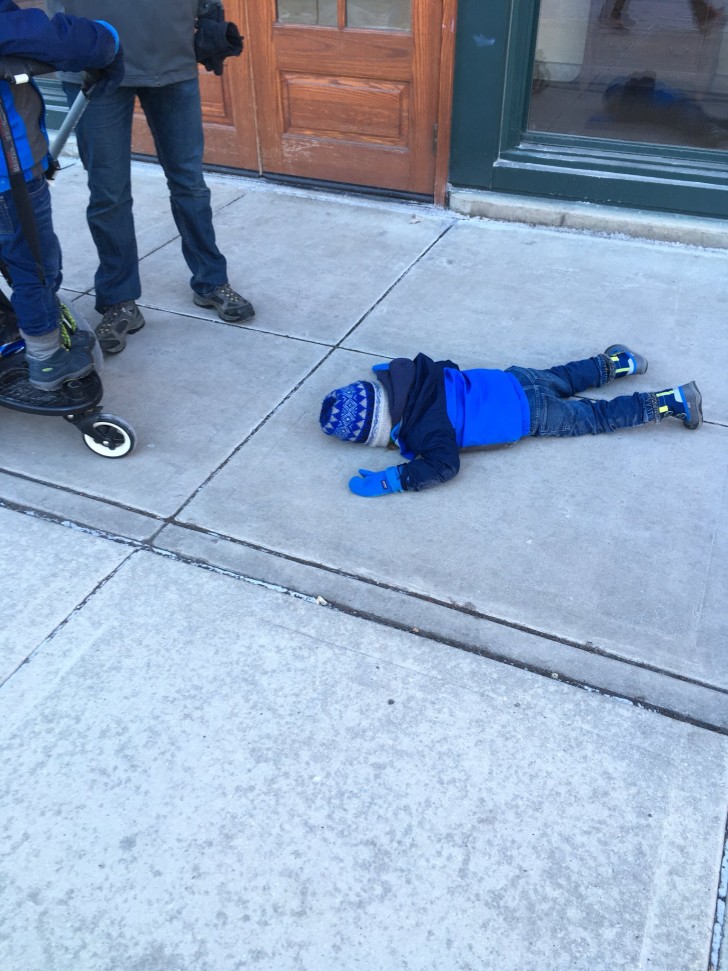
(625, 361)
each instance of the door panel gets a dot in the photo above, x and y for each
(344, 104)
(346, 108)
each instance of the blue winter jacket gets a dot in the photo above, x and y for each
(68, 43)
(437, 409)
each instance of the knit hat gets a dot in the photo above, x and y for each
(358, 412)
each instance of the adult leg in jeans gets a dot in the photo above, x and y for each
(174, 114)
(104, 142)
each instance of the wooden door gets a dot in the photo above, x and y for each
(351, 91)
(347, 90)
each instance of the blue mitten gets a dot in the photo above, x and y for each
(106, 80)
(376, 483)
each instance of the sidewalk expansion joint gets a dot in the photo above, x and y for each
(136, 545)
(77, 609)
(433, 636)
(391, 287)
(244, 442)
(586, 646)
(532, 669)
(72, 491)
(49, 517)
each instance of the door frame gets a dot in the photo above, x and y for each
(445, 100)
(492, 149)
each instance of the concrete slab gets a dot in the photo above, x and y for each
(65, 505)
(491, 295)
(152, 216)
(462, 629)
(312, 266)
(45, 571)
(193, 391)
(543, 535)
(309, 790)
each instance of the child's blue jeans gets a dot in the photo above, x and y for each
(555, 412)
(34, 303)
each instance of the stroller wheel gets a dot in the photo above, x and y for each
(109, 436)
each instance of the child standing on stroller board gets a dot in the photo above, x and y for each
(430, 410)
(54, 356)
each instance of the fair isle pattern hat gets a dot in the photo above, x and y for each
(358, 412)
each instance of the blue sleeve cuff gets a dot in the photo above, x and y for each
(112, 30)
(393, 478)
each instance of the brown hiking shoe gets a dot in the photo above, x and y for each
(117, 323)
(229, 304)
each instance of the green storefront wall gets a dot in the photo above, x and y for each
(492, 150)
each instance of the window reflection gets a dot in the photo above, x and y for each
(317, 13)
(370, 14)
(638, 70)
(388, 14)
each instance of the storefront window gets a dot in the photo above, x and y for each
(371, 14)
(637, 70)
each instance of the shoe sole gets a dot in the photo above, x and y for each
(55, 385)
(695, 401)
(119, 342)
(228, 318)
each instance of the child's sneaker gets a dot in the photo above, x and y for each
(626, 361)
(63, 365)
(71, 334)
(685, 402)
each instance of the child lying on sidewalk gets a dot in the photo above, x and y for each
(431, 409)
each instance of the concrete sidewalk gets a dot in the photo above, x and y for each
(251, 720)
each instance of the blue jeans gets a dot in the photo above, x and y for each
(174, 115)
(555, 412)
(34, 303)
